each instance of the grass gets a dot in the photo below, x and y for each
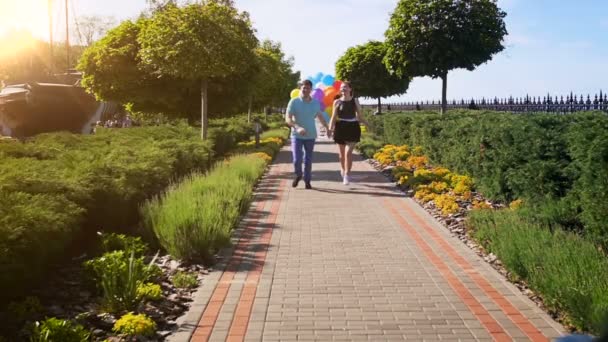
(195, 218)
(568, 271)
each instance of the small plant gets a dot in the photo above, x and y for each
(149, 291)
(119, 277)
(120, 242)
(135, 325)
(184, 280)
(54, 330)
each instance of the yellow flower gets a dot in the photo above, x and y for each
(481, 205)
(447, 203)
(516, 204)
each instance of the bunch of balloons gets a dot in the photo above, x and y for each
(325, 89)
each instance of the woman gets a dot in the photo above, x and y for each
(345, 125)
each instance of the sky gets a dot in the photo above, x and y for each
(552, 47)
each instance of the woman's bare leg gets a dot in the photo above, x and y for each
(342, 153)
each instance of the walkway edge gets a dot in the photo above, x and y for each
(188, 323)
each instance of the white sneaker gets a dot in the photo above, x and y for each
(346, 180)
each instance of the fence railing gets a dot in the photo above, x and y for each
(568, 104)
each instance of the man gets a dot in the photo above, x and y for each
(300, 116)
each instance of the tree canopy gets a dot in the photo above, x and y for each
(364, 67)
(173, 59)
(430, 38)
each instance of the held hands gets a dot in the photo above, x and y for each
(301, 131)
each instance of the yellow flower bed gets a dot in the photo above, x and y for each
(447, 203)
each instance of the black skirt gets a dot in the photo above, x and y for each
(347, 132)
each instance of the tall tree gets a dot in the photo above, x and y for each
(90, 28)
(197, 43)
(112, 70)
(430, 38)
(363, 66)
(275, 76)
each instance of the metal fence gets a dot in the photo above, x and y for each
(562, 104)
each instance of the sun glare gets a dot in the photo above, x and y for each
(28, 15)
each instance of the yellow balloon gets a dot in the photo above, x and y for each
(295, 93)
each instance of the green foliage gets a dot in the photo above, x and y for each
(275, 78)
(431, 38)
(34, 230)
(556, 163)
(197, 43)
(57, 190)
(19, 312)
(135, 325)
(566, 270)
(369, 145)
(120, 242)
(54, 329)
(149, 291)
(120, 276)
(113, 71)
(186, 220)
(363, 66)
(184, 280)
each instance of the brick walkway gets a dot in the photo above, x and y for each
(353, 263)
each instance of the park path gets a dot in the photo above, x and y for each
(353, 263)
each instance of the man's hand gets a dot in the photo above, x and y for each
(301, 131)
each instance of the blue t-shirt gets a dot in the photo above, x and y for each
(304, 114)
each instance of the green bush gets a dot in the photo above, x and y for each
(54, 329)
(184, 280)
(149, 291)
(568, 271)
(186, 219)
(35, 229)
(540, 158)
(120, 275)
(120, 242)
(57, 190)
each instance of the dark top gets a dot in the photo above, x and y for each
(347, 109)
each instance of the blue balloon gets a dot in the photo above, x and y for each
(328, 80)
(318, 77)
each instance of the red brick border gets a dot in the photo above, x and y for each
(240, 321)
(207, 321)
(490, 324)
(511, 311)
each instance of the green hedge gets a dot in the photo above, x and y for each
(58, 189)
(561, 159)
(186, 220)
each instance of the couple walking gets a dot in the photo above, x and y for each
(344, 126)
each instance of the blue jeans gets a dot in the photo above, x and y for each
(296, 151)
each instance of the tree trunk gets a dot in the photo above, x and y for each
(444, 93)
(204, 116)
(249, 109)
(379, 106)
